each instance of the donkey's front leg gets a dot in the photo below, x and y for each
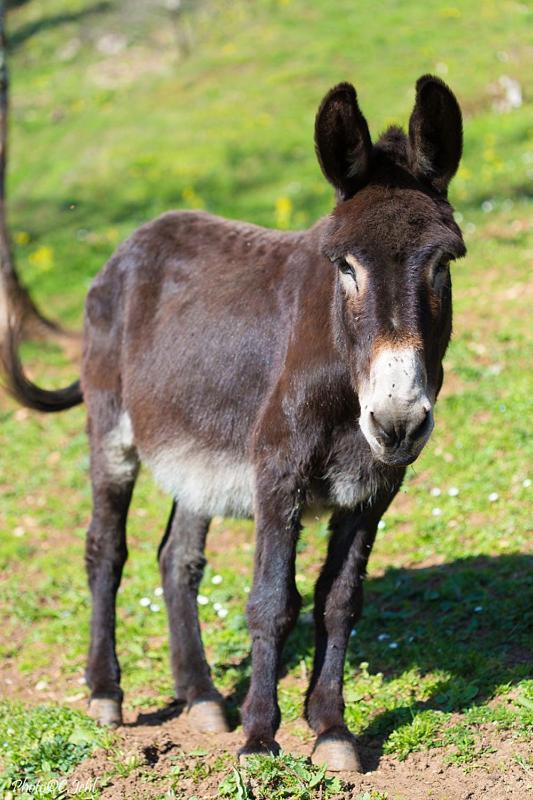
(338, 604)
(272, 611)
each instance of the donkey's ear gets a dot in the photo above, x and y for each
(435, 133)
(342, 140)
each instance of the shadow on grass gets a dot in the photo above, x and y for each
(30, 29)
(470, 619)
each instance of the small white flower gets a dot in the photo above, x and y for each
(158, 591)
(393, 645)
(435, 492)
(436, 512)
(453, 491)
(216, 579)
(487, 206)
(527, 483)
(154, 607)
(217, 606)
(203, 600)
(383, 637)
(493, 496)
(478, 609)
(246, 590)
(222, 612)
(382, 525)
(145, 601)
(353, 633)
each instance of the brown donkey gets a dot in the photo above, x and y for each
(259, 373)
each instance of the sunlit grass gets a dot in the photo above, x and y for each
(441, 650)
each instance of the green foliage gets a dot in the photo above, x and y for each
(278, 778)
(42, 744)
(419, 734)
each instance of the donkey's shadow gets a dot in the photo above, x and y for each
(467, 619)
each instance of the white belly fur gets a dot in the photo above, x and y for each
(206, 482)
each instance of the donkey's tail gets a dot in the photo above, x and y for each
(22, 389)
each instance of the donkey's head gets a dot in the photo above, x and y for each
(390, 240)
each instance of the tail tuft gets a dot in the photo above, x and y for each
(22, 389)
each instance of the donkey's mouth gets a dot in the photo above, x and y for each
(397, 459)
(400, 455)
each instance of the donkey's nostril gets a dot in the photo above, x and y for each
(421, 425)
(388, 431)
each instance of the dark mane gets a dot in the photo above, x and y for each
(394, 143)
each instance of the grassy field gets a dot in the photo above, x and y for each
(123, 110)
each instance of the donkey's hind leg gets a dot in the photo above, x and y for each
(114, 467)
(182, 561)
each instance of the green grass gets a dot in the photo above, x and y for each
(276, 778)
(41, 745)
(98, 145)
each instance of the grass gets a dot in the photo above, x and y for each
(41, 745)
(271, 778)
(100, 143)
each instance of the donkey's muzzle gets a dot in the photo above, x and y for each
(398, 439)
(396, 411)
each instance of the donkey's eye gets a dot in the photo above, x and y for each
(440, 274)
(346, 269)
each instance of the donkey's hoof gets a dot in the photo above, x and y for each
(339, 754)
(258, 747)
(106, 711)
(208, 716)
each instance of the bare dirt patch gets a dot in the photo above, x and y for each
(164, 752)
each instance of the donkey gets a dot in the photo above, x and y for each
(260, 373)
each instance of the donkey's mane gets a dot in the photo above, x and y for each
(393, 144)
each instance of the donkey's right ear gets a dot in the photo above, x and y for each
(342, 141)
(435, 133)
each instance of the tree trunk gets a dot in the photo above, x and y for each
(15, 301)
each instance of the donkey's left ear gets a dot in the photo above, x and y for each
(342, 141)
(435, 133)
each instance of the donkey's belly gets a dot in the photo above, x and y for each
(217, 482)
(205, 481)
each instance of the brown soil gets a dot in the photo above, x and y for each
(153, 745)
